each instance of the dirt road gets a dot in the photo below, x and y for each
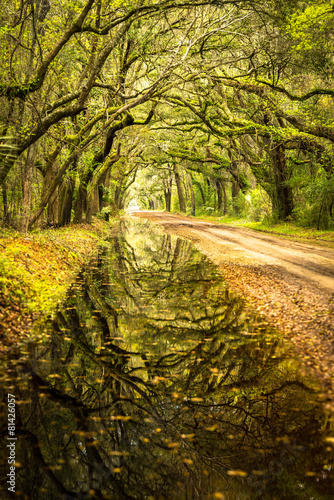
(231, 244)
(291, 283)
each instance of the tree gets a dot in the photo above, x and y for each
(233, 86)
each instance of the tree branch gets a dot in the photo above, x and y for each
(22, 90)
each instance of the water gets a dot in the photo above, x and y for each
(155, 381)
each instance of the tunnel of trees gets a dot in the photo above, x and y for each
(200, 106)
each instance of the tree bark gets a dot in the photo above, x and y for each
(178, 181)
(93, 201)
(49, 175)
(282, 196)
(219, 194)
(192, 196)
(51, 189)
(168, 198)
(27, 188)
(225, 198)
(5, 203)
(81, 203)
(235, 190)
(66, 201)
(201, 190)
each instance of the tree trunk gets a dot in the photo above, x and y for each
(5, 203)
(118, 192)
(50, 190)
(192, 196)
(48, 179)
(219, 194)
(225, 198)
(201, 190)
(53, 209)
(94, 193)
(66, 201)
(168, 198)
(168, 183)
(282, 196)
(81, 203)
(27, 188)
(66, 195)
(208, 191)
(92, 205)
(104, 183)
(179, 187)
(235, 188)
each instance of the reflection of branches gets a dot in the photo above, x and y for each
(95, 458)
(111, 371)
(183, 386)
(54, 394)
(290, 383)
(30, 437)
(116, 401)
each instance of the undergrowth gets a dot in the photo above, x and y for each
(37, 269)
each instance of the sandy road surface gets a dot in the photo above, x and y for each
(291, 283)
(308, 262)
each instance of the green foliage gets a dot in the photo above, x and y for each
(37, 271)
(258, 205)
(306, 25)
(239, 205)
(311, 30)
(106, 211)
(317, 208)
(213, 93)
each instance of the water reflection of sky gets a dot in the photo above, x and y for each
(155, 381)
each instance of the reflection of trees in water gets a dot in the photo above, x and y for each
(154, 381)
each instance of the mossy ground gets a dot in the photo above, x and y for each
(36, 270)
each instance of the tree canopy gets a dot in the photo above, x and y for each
(217, 105)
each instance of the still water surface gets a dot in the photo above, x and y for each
(155, 381)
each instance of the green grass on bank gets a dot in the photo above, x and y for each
(37, 268)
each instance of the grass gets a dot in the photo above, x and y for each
(293, 231)
(36, 269)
